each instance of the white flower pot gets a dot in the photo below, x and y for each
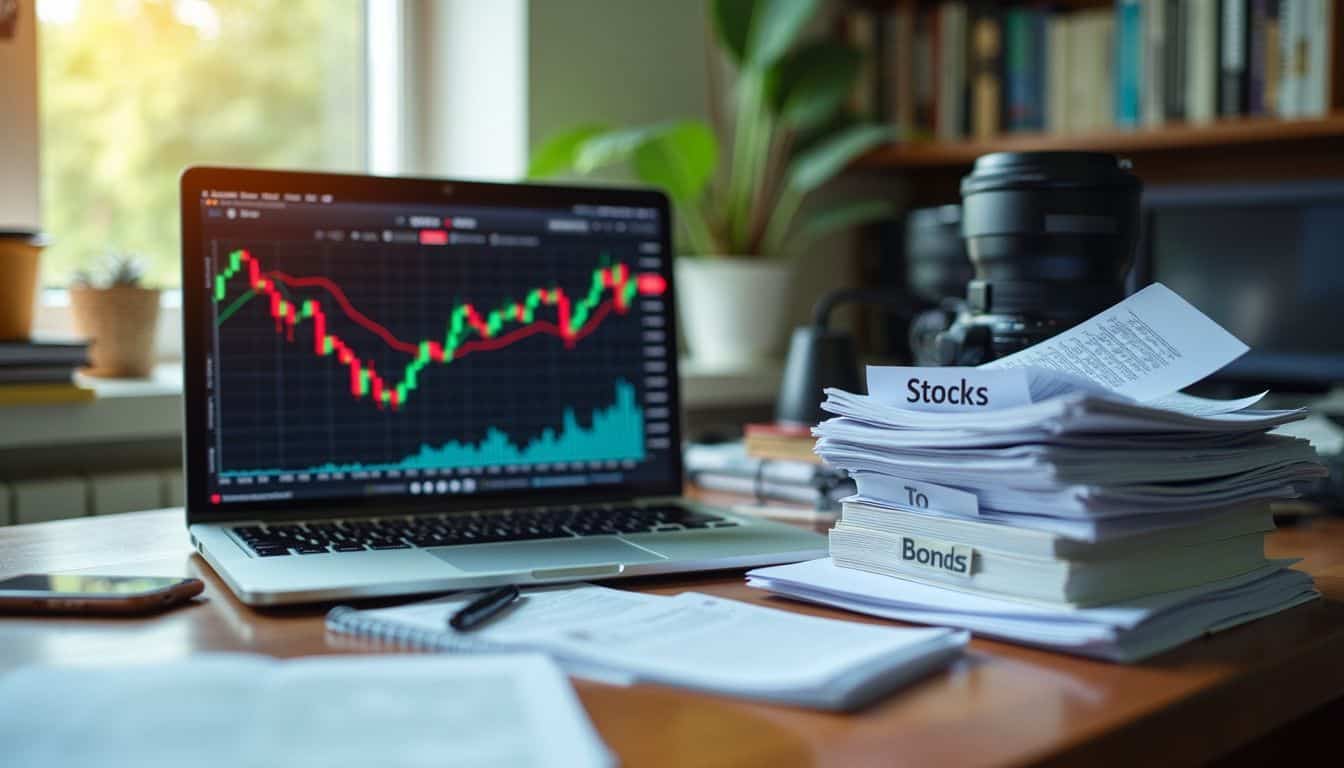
(732, 311)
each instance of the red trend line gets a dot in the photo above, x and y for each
(346, 307)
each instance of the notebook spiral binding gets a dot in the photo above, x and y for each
(348, 621)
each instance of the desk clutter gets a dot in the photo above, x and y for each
(37, 372)
(1106, 515)
(691, 640)
(244, 710)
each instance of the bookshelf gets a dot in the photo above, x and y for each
(1269, 133)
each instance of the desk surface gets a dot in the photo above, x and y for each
(1001, 705)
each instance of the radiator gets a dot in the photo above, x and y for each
(35, 501)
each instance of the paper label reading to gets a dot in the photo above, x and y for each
(921, 496)
(933, 555)
(1149, 345)
(949, 389)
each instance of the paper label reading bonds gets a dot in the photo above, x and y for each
(940, 556)
(949, 389)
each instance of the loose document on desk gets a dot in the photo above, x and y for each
(242, 711)
(691, 640)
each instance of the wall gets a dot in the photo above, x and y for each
(19, 200)
(618, 61)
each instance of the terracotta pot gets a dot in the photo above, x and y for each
(119, 322)
(731, 310)
(19, 252)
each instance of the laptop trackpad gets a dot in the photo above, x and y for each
(543, 554)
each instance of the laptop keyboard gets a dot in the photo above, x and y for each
(364, 534)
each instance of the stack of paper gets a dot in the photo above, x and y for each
(691, 640)
(1068, 495)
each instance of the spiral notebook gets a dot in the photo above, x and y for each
(690, 640)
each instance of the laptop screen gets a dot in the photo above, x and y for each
(357, 346)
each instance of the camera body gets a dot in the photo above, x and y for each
(1051, 236)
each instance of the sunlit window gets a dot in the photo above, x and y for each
(135, 90)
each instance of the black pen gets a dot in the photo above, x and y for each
(478, 611)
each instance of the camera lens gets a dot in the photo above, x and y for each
(1051, 236)
(935, 254)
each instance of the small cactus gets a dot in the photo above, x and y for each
(116, 268)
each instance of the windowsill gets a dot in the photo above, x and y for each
(151, 409)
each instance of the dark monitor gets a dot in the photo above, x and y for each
(1264, 260)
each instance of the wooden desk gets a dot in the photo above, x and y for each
(1001, 705)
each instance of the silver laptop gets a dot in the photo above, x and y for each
(399, 386)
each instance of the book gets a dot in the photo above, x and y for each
(45, 394)
(900, 67)
(950, 71)
(1082, 582)
(729, 468)
(1234, 43)
(987, 71)
(1091, 87)
(1175, 59)
(1263, 64)
(925, 71)
(1201, 70)
(1129, 69)
(861, 32)
(1025, 54)
(36, 374)
(1153, 90)
(1058, 108)
(780, 442)
(1316, 84)
(74, 354)
(690, 640)
(1293, 47)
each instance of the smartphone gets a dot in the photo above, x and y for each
(84, 594)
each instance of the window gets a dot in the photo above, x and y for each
(132, 91)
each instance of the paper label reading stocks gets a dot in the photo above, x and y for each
(949, 389)
(940, 556)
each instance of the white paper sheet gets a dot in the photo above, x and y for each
(1151, 344)
(239, 711)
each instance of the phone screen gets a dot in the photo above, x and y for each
(81, 584)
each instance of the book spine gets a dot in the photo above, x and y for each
(900, 52)
(1057, 76)
(1174, 62)
(1316, 83)
(1292, 50)
(1128, 62)
(1201, 74)
(1038, 53)
(1233, 58)
(1258, 46)
(952, 51)
(1154, 55)
(1273, 40)
(922, 73)
(986, 81)
(861, 33)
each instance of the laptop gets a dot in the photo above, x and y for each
(398, 386)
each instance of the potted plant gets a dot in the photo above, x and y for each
(118, 316)
(741, 215)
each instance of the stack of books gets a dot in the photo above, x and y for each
(954, 69)
(731, 468)
(1091, 520)
(38, 372)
